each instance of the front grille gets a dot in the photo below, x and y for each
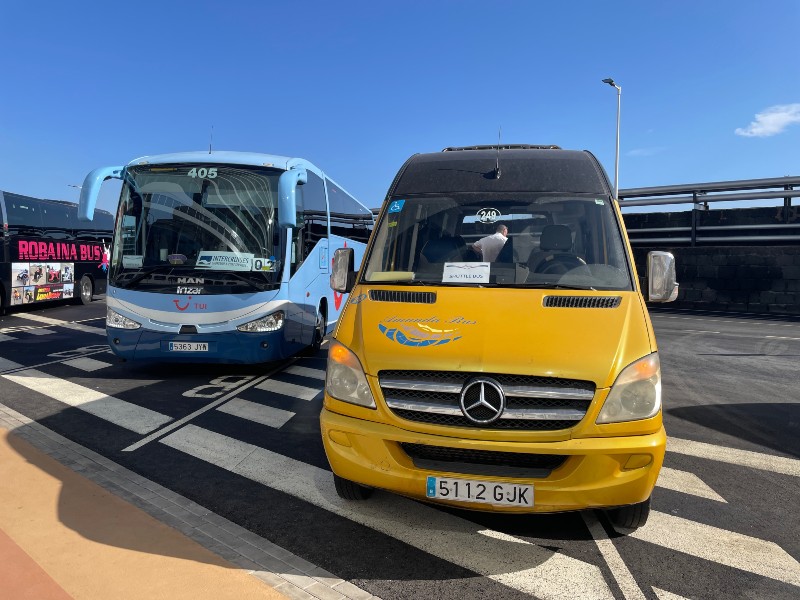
(532, 403)
(483, 462)
(582, 301)
(399, 296)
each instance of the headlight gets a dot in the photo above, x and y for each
(636, 394)
(271, 322)
(345, 379)
(117, 321)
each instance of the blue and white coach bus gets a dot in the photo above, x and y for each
(224, 256)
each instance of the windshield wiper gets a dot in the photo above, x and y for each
(553, 286)
(128, 283)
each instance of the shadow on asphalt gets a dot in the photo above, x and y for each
(771, 424)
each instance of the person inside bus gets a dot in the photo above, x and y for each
(489, 247)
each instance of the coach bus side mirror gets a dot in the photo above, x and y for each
(287, 195)
(343, 273)
(661, 283)
(91, 189)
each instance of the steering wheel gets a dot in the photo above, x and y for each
(558, 264)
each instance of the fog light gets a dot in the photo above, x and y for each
(637, 461)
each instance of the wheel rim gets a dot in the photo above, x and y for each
(86, 289)
(320, 327)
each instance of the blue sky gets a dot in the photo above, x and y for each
(710, 90)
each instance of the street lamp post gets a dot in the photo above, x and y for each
(610, 82)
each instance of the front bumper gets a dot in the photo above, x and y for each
(229, 347)
(598, 473)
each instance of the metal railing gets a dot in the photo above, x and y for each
(700, 195)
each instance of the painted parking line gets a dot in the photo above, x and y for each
(289, 389)
(526, 567)
(258, 413)
(60, 323)
(734, 456)
(724, 547)
(306, 372)
(6, 338)
(686, 483)
(87, 364)
(622, 575)
(40, 331)
(125, 414)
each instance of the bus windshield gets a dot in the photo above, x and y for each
(215, 220)
(512, 239)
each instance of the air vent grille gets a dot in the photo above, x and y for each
(399, 296)
(582, 301)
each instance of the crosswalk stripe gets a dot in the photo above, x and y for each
(664, 595)
(87, 364)
(743, 458)
(252, 411)
(688, 483)
(525, 567)
(306, 372)
(6, 338)
(130, 416)
(289, 389)
(720, 546)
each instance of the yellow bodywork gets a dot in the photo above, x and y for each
(498, 330)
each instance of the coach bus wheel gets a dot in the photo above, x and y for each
(86, 290)
(350, 490)
(630, 517)
(320, 329)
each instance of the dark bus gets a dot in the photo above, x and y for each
(47, 254)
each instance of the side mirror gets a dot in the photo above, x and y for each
(287, 195)
(661, 283)
(91, 189)
(343, 273)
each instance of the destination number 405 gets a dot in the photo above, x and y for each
(203, 172)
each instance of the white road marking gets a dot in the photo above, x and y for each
(125, 414)
(156, 434)
(87, 364)
(306, 372)
(743, 458)
(740, 322)
(41, 331)
(6, 338)
(525, 567)
(720, 546)
(664, 595)
(8, 365)
(778, 337)
(687, 483)
(252, 411)
(696, 331)
(630, 589)
(289, 389)
(67, 324)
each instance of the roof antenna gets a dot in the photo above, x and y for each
(211, 141)
(497, 159)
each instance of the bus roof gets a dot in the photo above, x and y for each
(255, 159)
(472, 169)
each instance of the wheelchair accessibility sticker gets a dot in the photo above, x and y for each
(396, 206)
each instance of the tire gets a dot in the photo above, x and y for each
(349, 490)
(85, 291)
(630, 517)
(320, 328)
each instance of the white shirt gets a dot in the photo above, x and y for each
(490, 246)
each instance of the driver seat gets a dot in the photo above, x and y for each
(555, 239)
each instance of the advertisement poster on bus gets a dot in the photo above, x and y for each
(39, 281)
